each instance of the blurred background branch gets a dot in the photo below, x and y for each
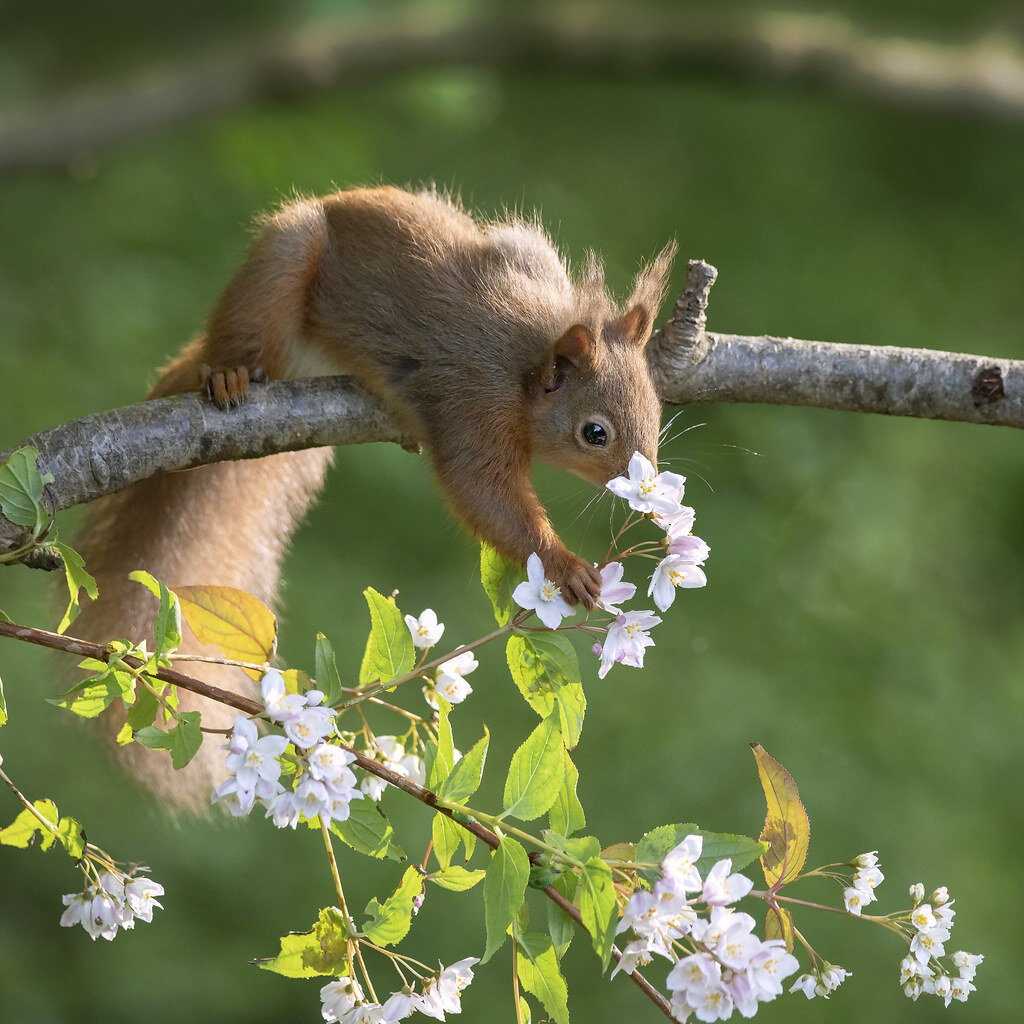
(984, 76)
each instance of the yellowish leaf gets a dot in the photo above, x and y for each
(786, 828)
(778, 924)
(241, 625)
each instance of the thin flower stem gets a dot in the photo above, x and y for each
(379, 688)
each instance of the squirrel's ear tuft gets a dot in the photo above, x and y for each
(648, 291)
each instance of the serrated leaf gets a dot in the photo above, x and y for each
(499, 579)
(320, 951)
(367, 830)
(389, 649)
(546, 670)
(504, 889)
(566, 814)
(326, 669)
(595, 896)
(539, 973)
(786, 828)
(22, 830)
(581, 849)
(77, 579)
(464, 778)
(240, 625)
(183, 739)
(456, 878)
(536, 772)
(778, 924)
(389, 922)
(716, 846)
(21, 489)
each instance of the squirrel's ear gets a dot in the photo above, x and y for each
(648, 291)
(636, 323)
(577, 344)
(574, 348)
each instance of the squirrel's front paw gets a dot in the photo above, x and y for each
(578, 580)
(229, 385)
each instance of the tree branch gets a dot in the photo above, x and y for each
(986, 76)
(105, 452)
(99, 652)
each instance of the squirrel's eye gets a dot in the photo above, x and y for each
(595, 434)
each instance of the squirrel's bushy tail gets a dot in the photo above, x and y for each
(228, 524)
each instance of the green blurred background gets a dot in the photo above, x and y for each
(863, 618)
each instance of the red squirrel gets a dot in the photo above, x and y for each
(473, 333)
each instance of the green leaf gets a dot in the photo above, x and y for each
(595, 896)
(21, 489)
(561, 927)
(504, 890)
(320, 951)
(389, 923)
(786, 828)
(368, 831)
(167, 628)
(566, 814)
(94, 695)
(77, 578)
(580, 849)
(539, 973)
(143, 712)
(653, 847)
(182, 740)
(22, 830)
(442, 755)
(499, 578)
(546, 669)
(69, 832)
(446, 836)
(3, 705)
(389, 649)
(326, 671)
(455, 878)
(464, 779)
(535, 774)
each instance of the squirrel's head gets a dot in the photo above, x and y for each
(595, 404)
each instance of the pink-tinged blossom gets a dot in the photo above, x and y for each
(613, 590)
(648, 491)
(539, 594)
(626, 640)
(674, 571)
(722, 888)
(679, 867)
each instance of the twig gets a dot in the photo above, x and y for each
(99, 652)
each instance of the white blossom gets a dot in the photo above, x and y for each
(647, 491)
(426, 630)
(539, 594)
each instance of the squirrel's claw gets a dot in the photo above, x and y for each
(229, 385)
